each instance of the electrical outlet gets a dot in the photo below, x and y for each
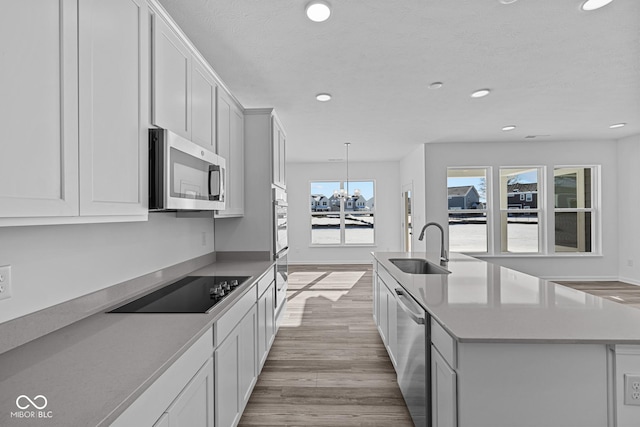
(5, 282)
(632, 389)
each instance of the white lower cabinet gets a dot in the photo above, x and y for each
(443, 392)
(266, 324)
(388, 316)
(194, 405)
(182, 396)
(235, 370)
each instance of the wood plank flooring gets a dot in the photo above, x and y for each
(328, 365)
(620, 292)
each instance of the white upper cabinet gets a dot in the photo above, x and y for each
(278, 148)
(76, 74)
(203, 107)
(184, 87)
(114, 57)
(230, 127)
(39, 109)
(171, 80)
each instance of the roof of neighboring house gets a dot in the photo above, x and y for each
(522, 188)
(460, 191)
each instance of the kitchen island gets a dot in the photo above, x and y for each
(508, 349)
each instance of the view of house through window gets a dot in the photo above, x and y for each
(520, 194)
(574, 210)
(337, 220)
(467, 206)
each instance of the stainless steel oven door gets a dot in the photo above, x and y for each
(280, 205)
(282, 274)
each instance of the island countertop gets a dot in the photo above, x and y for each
(484, 302)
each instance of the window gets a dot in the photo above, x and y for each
(520, 199)
(574, 208)
(467, 207)
(342, 221)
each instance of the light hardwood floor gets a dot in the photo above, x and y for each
(328, 365)
(620, 292)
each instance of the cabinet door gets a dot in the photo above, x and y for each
(443, 392)
(203, 106)
(247, 330)
(230, 144)
(171, 80)
(383, 324)
(113, 76)
(39, 108)
(266, 324)
(194, 405)
(226, 380)
(392, 328)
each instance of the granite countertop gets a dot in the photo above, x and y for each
(484, 302)
(92, 370)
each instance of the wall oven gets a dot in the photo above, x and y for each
(280, 249)
(183, 175)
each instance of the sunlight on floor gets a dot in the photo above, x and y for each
(305, 287)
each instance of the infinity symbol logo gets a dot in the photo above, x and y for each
(22, 397)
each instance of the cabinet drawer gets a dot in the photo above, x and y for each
(231, 318)
(444, 343)
(388, 280)
(265, 281)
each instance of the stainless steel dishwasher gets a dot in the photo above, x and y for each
(414, 361)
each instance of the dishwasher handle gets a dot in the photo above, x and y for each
(420, 320)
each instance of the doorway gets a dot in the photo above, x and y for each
(407, 224)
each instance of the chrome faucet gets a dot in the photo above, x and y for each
(443, 252)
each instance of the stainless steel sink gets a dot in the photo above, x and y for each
(418, 266)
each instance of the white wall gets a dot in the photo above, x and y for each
(388, 210)
(629, 209)
(53, 264)
(546, 153)
(412, 172)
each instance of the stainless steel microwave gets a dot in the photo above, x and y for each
(184, 175)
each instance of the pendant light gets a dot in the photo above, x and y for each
(343, 193)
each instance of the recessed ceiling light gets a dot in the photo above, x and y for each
(318, 11)
(617, 125)
(323, 97)
(508, 1)
(510, 127)
(436, 85)
(480, 93)
(594, 4)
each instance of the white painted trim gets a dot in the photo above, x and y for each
(341, 262)
(629, 280)
(580, 278)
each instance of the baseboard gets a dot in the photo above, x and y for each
(581, 278)
(628, 280)
(340, 262)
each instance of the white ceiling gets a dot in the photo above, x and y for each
(553, 70)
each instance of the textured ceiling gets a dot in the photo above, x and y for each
(554, 70)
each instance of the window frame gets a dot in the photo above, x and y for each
(594, 210)
(342, 212)
(487, 211)
(502, 238)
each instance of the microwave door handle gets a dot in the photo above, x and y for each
(218, 194)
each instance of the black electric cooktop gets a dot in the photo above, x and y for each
(193, 294)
